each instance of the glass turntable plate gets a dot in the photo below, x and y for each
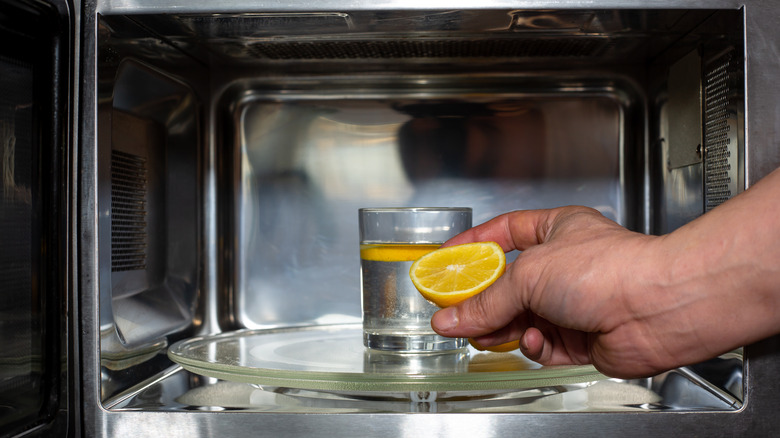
(333, 358)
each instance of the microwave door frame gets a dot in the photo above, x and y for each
(762, 367)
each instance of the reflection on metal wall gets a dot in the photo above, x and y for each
(308, 163)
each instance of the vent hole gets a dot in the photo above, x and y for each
(400, 49)
(716, 135)
(128, 212)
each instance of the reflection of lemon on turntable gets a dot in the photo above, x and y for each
(499, 362)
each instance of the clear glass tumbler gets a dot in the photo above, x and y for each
(395, 316)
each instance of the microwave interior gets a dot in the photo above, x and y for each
(235, 149)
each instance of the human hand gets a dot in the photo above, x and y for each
(580, 292)
(586, 290)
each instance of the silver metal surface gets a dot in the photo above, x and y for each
(149, 218)
(685, 109)
(239, 6)
(221, 85)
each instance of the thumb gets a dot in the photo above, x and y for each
(484, 313)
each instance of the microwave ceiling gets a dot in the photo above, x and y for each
(623, 35)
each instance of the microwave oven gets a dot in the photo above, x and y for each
(177, 172)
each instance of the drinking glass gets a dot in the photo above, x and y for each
(395, 316)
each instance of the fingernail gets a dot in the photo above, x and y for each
(446, 319)
(523, 343)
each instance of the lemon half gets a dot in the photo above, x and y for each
(449, 275)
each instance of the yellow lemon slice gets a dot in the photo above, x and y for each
(449, 275)
(498, 362)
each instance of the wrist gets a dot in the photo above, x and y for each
(667, 304)
(714, 289)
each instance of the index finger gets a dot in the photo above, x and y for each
(519, 230)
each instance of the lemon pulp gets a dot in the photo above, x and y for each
(450, 275)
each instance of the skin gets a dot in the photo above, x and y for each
(586, 290)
